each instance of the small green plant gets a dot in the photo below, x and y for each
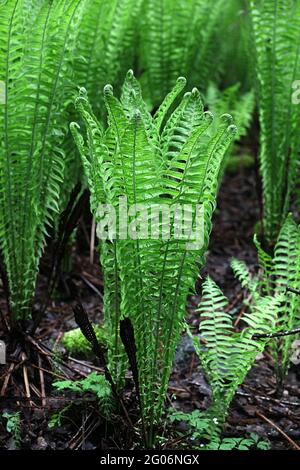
(161, 160)
(13, 427)
(198, 424)
(276, 33)
(93, 383)
(279, 275)
(226, 355)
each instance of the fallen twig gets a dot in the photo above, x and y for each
(294, 291)
(271, 423)
(6, 380)
(279, 334)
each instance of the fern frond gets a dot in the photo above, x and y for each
(161, 161)
(105, 45)
(286, 273)
(242, 273)
(276, 28)
(36, 55)
(226, 355)
(178, 37)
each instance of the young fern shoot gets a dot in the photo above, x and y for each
(156, 165)
(227, 355)
(279, 275)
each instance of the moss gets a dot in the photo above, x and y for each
(76, 344)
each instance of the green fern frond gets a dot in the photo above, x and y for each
(286, 274)
(276, 276)
(35, 67)
(105, 45)
(276, 31)
(179, 37)
(242, 273)
(155, 161)
(226, 355)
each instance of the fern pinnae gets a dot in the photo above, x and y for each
(11, 21)
(168, 101)
(155, 275)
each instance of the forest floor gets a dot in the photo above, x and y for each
(25, 382)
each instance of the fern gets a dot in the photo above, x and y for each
(241, 109)
(34, 65)
(286, 272)
(276, 31)
(179, 37)
(105, 45)
(104, 49)
(152, 160)
(236, 54)
(242, 273)
(277, 275)
(227, 355)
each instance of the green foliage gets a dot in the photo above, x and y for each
(179, 37)
(35, 52)
(46, 48)
(93, 383)
(236, 54)
(227, 355)
(277, 274)
(76, 344)
(276, 32)
(105, 46)
(151, 160)
(13, 427)
(241, 107)
(199, 423)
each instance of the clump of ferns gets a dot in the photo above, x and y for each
(160, 159)
(227, 355)
(46, 50)
(180, 37)
(276, 48)
(36, 44)
(279, 276)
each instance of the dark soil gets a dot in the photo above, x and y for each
(234, 224)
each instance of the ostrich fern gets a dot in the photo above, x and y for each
(36, 42)
(104, 50)
(105, 45)
(179, 36)
(276, 31)
(277, 274)
(151, 160)
(227, 355)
